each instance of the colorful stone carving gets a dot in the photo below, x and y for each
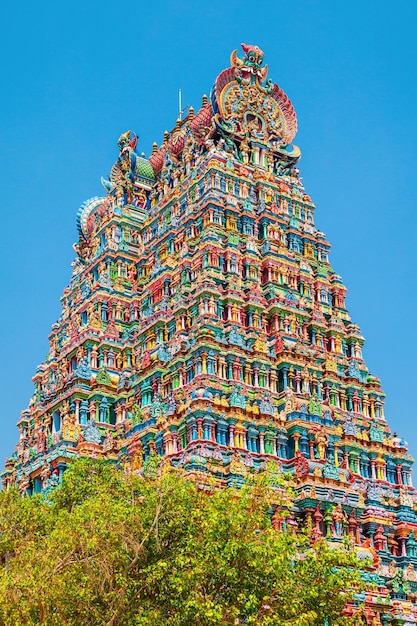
(203, 323)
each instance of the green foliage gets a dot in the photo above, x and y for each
(121, 550)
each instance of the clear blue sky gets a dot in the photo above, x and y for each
(74, 75)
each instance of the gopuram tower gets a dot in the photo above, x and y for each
(204, 323)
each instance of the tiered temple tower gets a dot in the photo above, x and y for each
(204, 323)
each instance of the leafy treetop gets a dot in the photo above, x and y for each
(126, 550)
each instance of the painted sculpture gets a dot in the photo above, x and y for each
(204, 323)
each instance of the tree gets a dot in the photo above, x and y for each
(124, 550)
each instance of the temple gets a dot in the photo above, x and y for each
(204, 323)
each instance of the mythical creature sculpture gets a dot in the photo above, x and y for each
(251, 65)
(122, 175)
